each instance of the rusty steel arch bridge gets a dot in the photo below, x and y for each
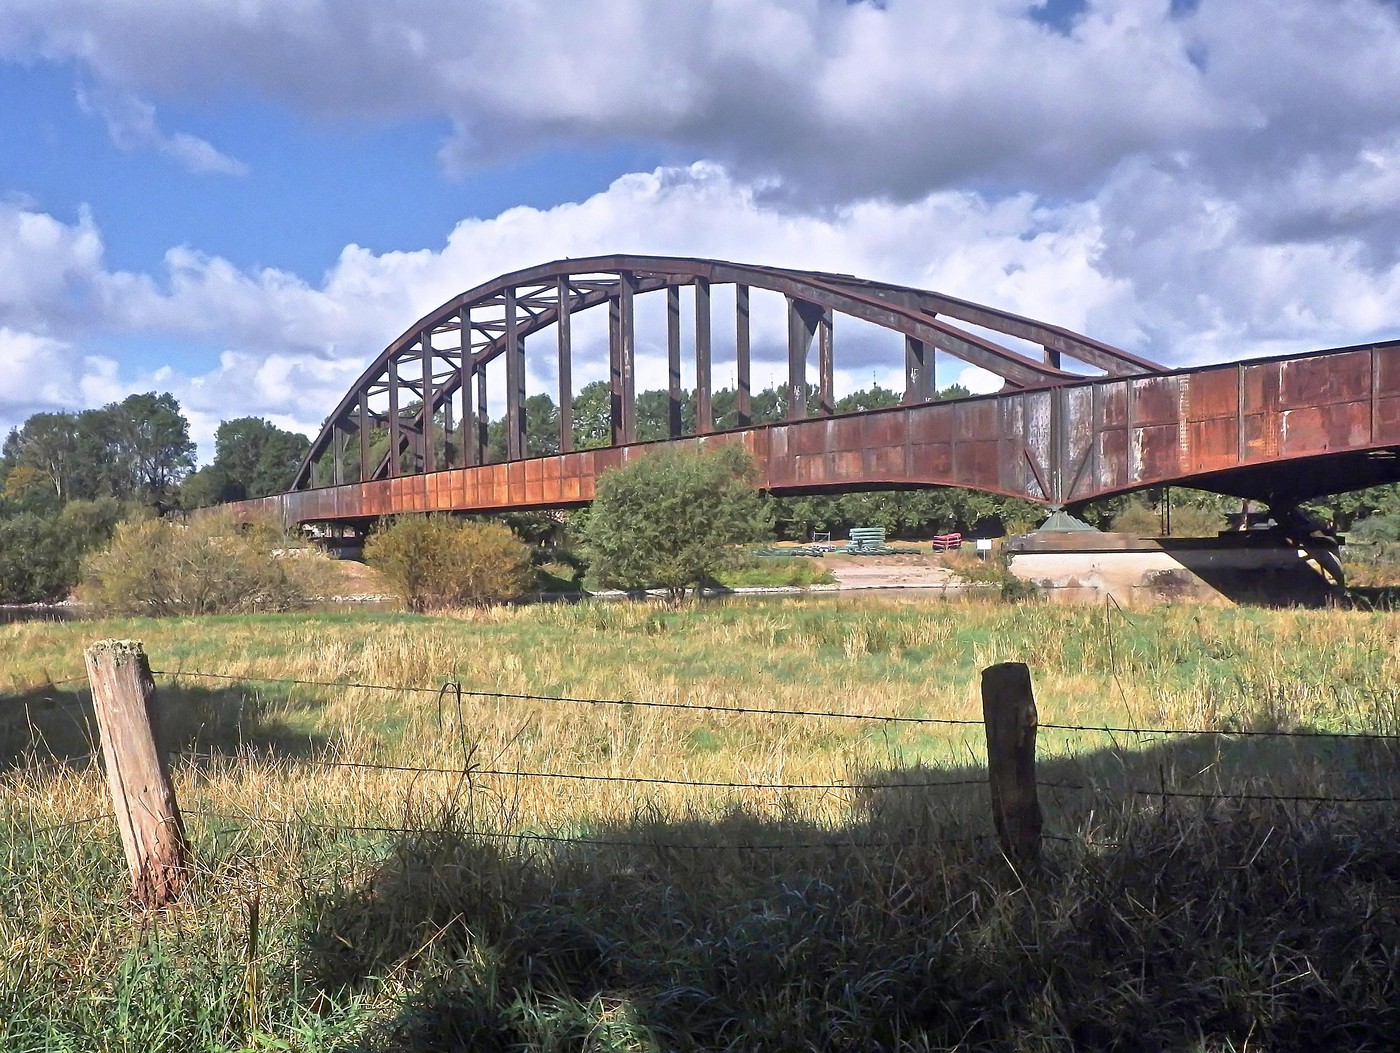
(1075, 420)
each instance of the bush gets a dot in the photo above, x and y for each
(670, 519)
(437, 561)
(40, 554)
(160, 567)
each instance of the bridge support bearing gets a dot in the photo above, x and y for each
(1088, 567)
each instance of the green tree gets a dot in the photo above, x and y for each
(150, 439)
(593, 416)
(670, 519)
(252, 458)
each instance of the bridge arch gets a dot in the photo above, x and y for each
(437, 367)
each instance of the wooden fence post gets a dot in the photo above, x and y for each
(1008, 708)
(124, 699)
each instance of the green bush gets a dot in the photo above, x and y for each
(437, 561)
(40, 553)
(671, 519)
(160, 567)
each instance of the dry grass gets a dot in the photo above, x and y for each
(447, 929)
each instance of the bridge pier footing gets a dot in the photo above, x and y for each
(1262, 568)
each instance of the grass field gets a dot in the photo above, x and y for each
(343, 901)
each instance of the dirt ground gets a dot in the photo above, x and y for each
(908, 571)
(912, 571)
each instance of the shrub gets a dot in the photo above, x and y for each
(437, 561)
(160, 567)
(40, 554)
(670, 519)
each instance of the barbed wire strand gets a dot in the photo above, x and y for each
(637, 779)
(818, 713)
(16, 695)
(35, 831)
(564, 839)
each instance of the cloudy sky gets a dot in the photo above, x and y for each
(242, 202)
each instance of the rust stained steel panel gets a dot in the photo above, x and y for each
(1156, 453)
(1387, 369)
(1261, 388)
(1078, 424)
(1319, 429)
(846, 465)
(846, 433)
(810, 469)
(1036, 432)
(1321, 381)
(885, 464)
(932, 462)
(930, 423)
(1112, 398)
(1113, 450)
(977, 421)
(978, 464)
(1156, 400)
(1213, 444)
(881, 430)
(1261, 437)
(811, 437)
(1213, 393)
(1388, 421)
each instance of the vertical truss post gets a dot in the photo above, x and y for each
(803, 319)
(566, 359)
(704, 416)
(448, 419)
(515, 383)
(395, 425)
(364, 435)
(340, 438)
(826, 366)
(918, 371)
(743, 400)
(622, 355)
(483, 418)
(1052, 358)
(429, 453)
(673, 361)
(464, 385)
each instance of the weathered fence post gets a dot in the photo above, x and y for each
(1008, 708)
(124, 699)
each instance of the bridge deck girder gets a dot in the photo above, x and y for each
(1280, 430)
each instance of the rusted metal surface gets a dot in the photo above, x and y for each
(1279, 430)
(426, 373)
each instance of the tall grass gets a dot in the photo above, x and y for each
(400, 909)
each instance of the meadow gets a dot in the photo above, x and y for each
(723, 863)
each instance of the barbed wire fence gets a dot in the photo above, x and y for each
(451, 692)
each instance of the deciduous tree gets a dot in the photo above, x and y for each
(670, 519)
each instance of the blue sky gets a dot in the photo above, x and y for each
(242, 204)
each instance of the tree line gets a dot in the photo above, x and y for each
(68, 478)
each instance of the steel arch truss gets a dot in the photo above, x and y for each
(437, 368)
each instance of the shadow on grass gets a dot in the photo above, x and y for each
(1157, 924)
(58, 724)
